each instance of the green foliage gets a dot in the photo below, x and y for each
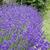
(47, 21)
(7, 37)
(39, 4)
(1, 39)
(1, 1)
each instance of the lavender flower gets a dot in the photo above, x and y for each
(24, 25)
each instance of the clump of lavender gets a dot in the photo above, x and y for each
(20, 28)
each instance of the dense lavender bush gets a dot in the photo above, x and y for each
(20, 28)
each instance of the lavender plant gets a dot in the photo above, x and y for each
(21, 28)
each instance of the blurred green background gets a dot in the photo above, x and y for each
(40, 4)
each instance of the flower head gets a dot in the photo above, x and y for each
(23, 24)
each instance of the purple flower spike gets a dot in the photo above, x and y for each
(24, 25)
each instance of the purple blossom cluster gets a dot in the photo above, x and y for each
(22, 27)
